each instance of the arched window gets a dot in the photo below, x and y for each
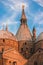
(26, 48)
(35, 63)
(9, 62)
(14, 63)
(21, 49)
(25, 43)
(3, 40)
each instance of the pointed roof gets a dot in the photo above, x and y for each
(34, 28)
(23, 32)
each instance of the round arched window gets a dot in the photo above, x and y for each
(25, 43)
(3, 40)
(14, 63)
(21, 49)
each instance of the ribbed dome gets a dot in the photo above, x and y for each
(40, 37)
(6, 34)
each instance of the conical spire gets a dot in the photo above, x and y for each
(34, 33)
(6, 27)
(23, 31)
(23, 18)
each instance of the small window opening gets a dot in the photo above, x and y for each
(3, 40)
(14, 63)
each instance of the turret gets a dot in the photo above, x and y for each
(34, 33)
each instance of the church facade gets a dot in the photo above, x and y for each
(22, 49)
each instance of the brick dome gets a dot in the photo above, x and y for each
(6, 35)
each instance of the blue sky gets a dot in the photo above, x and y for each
(11, 10)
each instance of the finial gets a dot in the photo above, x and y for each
(23, 6)
(3, 26)
(6, 27)
(34, 28)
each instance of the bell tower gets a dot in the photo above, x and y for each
(23, 17)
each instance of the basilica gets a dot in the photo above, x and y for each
(24, 48)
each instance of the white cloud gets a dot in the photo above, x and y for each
(40, 2)
(38, 18)
(8, 21)
(39, 30)
(38, 22)
(14, 5)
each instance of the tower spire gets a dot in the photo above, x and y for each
(23, 18)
